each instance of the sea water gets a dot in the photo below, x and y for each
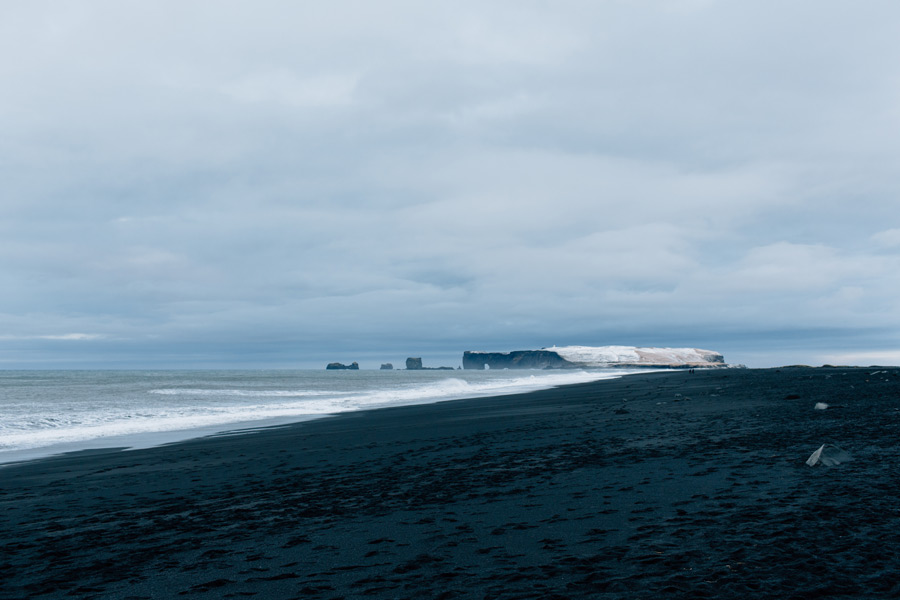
(50, 412)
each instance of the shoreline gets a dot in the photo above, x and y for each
(150, 438)
(131, 442)
(688, 485)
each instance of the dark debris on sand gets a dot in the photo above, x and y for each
(671, 485)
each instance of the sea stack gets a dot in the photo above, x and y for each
(415, 364)
(336, 366)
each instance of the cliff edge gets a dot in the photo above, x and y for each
(578, 357)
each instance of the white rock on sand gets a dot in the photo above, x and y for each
(828, 455)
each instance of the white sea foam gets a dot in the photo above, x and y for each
(89, 413)
(241, 393)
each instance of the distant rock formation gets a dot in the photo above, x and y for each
(336, 366)
(578, 357)
(415, 364)
(387, 367)
(519, 359)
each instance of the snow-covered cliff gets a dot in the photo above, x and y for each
(573, 357)
(605, 356)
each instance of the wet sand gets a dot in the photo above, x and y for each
(670, 485)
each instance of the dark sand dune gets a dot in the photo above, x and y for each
(655, 485)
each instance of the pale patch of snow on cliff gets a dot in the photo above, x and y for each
(605, 355)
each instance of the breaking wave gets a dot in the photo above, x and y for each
(86, 412)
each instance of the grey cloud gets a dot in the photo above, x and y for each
(216, 180)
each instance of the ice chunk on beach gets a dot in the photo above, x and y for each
(828, 455)
(821, 406)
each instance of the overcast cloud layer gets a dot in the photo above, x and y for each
(290, 183)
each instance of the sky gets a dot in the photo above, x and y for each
(277, 184)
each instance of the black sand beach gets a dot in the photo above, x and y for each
(673, 485)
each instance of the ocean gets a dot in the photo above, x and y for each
(50, 412)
